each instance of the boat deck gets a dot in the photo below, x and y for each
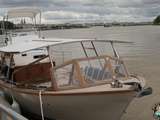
(98, 88)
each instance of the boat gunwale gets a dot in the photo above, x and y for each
(57, 93)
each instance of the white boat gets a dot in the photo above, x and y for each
(29, 31)
(81, 87)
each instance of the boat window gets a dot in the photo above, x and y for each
(66, 77)
(39, 56)
(96, 70)
(120, 70)
(23, 34)
(24, 54)
(14, 34)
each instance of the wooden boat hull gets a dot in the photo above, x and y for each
(82, 106)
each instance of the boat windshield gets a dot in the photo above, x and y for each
(89, 71)
(85, 64)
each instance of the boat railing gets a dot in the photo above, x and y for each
(9, 114)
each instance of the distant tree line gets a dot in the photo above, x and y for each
(7, 24)
(156, 21)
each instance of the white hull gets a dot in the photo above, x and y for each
(95, 106)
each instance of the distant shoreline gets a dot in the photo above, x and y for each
(88, 25)
(44, 27)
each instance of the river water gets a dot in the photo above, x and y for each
(142, 57)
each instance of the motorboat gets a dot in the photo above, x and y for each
(86, 84)
(27, 30)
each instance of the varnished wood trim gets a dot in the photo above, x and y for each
(79, 74)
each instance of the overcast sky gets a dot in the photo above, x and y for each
(89, 10)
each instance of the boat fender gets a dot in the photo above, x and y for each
(145, 92)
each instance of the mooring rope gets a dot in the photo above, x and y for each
(41, 104)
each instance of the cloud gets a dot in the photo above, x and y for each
(89, 10)
(23, 3)
(69, 16)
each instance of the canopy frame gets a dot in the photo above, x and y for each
(24, 13)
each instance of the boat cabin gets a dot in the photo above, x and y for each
(69, 64)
